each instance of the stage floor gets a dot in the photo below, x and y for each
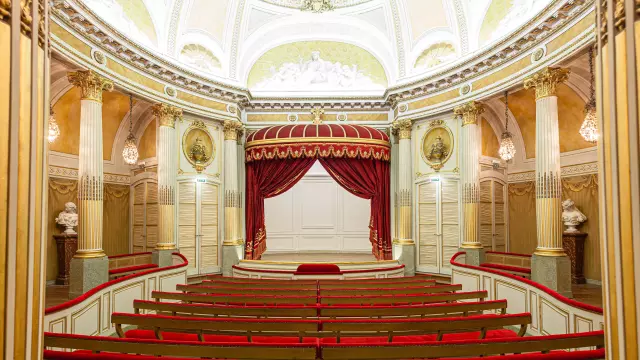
(318, 257)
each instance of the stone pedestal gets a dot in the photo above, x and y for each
(405, 253)
(87, 273)
(551, 271)
(231, 255)
(474, 256)
(66, 244)
(573, 244)
(163, 258)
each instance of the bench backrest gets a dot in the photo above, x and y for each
(402, 299)
(297, 284)
(430, 289)
(258, 291)
(234, 299)
(319, 328)
(374, 285)
(280, 284)
(466, 348)
(226, 310)
(293, 311)
(182, 348)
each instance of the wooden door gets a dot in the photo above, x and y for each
(187, 223)
(144, 218)
(450, 223)
(428, 230)
(208, 229)
(493, 225)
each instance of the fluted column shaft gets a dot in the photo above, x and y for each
(470, 172)
(90, 169)
(403, 196)
(548, 186)
(232, 197)
(167, 172)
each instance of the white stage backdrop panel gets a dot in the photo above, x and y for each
(318, 215)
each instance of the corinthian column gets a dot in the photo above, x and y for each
(470, 175)
(233, 244)
(167, 172)
(550, 265)
(404, 246)
(90, 266)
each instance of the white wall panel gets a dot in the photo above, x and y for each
(317, 214)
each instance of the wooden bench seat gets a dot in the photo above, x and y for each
(310, 292)
(283, 311)
(200, 289)
(294, 284)
(332, 330)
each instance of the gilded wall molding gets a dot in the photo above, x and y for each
(565, 171)
(68, 173)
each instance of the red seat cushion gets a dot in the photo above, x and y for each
(318, 268)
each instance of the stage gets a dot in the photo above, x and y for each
(285, 265)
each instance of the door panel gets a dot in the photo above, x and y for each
(187, 222)
(208, 227)
(428, 226)
(450, 231)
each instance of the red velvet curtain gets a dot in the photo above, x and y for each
(265, 179)
(368, 179)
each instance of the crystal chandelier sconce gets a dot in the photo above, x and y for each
(130, 151)
(54, 130)
(589, 128)
(507, 149)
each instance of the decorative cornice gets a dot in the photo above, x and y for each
(402, 128)
(546, 80)
(550, 21)
(233, 130)
(68, 173)
(298, 4)
(469, 112)
(565, 171)
(166, 114)
(91, 85)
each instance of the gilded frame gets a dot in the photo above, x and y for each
(432, 126)
(198, 125)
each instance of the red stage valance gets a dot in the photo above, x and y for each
(317, 141)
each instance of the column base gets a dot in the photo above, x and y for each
(232, 253)
(163, 257)
(87, 273)
(474, 256)
(405, 252)
(553, 272)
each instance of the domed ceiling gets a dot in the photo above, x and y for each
(299, 47)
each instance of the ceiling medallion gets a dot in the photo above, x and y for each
(317, 6)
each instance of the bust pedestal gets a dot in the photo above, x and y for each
(67, 244)
(573, 244)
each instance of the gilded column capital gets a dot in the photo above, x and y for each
(166, 114)
(545, 81)
(402, 128)
(91, 85)
(469, 112)
(233, 129)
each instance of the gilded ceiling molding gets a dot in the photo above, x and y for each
(462, 27)
(298, 4)
(237, 26)
(174, 22)
(402, 71)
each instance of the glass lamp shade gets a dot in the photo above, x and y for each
(589, 128)
(54, 130)
(130, 151)
(507, 149)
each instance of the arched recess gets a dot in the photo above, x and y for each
(194, 39)
(304, 28)
(429, 45)
(141, 117)
(494, 115)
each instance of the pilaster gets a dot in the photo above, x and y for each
(403, 244)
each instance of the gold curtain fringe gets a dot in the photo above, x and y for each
(63, 186)
(521, 189)
(579, 183)
(116, 191)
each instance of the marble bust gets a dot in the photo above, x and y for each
(571, 216)
(68, 218)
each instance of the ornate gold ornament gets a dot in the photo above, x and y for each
(437, 145)
(198, 146)
(402, 128)
(166, 114)
(91, 85)
(171, 91)
(546, 81)
(469, 112)
(317, 115)
(99, 57)
(233, 130)
(317, 6)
